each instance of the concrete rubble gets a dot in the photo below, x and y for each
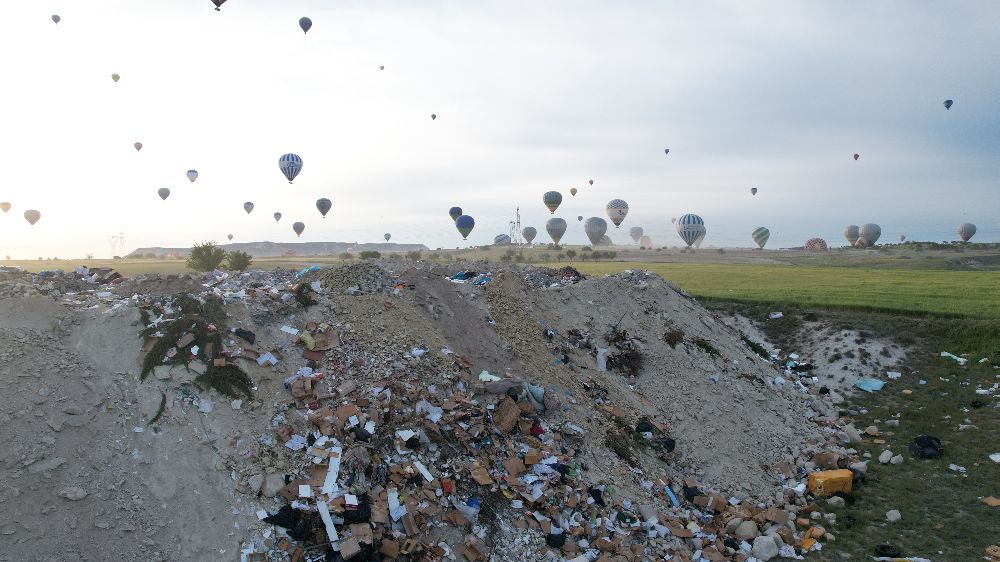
(399, 410)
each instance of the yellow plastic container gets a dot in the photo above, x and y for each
(829, 482)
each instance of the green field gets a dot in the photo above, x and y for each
(948, 293)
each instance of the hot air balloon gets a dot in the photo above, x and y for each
(645, 242)
(324, 206)
(552, 199)
(572, 191)
(290, 165)
(387, 236)
(815, 245)
(966, 230)
(753, 191)
(605, 241)
(856, 156)
(851, 233)
(305, 23)
(902, 238)
(248, 207)
(691, 228)
(595, 227)
(218, 4)
(5, 206)
(163, 193)
(298, 228)
(32, 216)
(115, 77)
(868, 234)
(192, 175)
(666, 151)
(230, 237)
(465, 224)
(948, 104)
(635, 232)
(555, 227)
(381, 68)
(501, 240)
(579, 218)
(529, 233)
(673, 220)
(138, 146)
(617, 210)
(56, 19)
(277, 217)
(454, 213)
(591, 182)
(433, 116)
(760, 236)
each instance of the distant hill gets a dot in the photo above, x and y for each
(278, 249)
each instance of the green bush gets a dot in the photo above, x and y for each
(238, 260)
(369, 255)
(347, 256)
(206, 257)
(571, 254)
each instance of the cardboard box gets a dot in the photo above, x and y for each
(829, 482)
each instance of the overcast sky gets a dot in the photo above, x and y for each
(530, 96)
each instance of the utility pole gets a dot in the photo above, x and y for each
(515, 229)
(117, 242)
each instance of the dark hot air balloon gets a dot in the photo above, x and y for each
(230, 237)
(218, 4)
(454, 213)
(856, 156)
(465, 224)
(552, 199)
(324, 206)
(635, 232)
(305, 23)
(851, 233)
(56, 19)
(163, 193)
(555, 227)
(298, 228)
(387, 236)
(815, 245)
(595, 227)
(966, 231)
(277, 217)
(529, 233)
(248, 207)
(760, 236)
(753, 191)
(948, 104)
(138, 146)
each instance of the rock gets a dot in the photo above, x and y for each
(236, 404)
(162, 372)
(898, 459)
(764, 548)
(892, 423)
(836, 501)
(733, 524)
(256, 483)
(885, 457)
(47, 465)
(852, 433)
(273, 483)
(205, 406)
(860, 467)
(73, 493)
(893, 515)
(747, 530)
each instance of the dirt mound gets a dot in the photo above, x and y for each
(431, 415)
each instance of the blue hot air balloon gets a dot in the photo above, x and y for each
(305, 24)
(290, 165)
(454, 213)
(691, 229)
(465, 224)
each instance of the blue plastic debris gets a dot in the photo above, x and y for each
(869, 385)
(309, 269)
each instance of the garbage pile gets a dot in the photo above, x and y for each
(545, 277)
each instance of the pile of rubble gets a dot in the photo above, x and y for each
(629, 424)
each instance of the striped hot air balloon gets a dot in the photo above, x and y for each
(815, 245)
(868, 235)
(760, 236)
(617, 210)
(290, 165)
(966, 230)
(691, 229)
(555, 227)
(529, 234)
(32, 216)
(851, 233)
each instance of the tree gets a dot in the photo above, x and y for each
(560, 256)
(585, 249)
(571, 254)
(206, 257)
(347, 256)
(238, 260)
(370, 255)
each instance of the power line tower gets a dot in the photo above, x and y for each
(515, 229)
(117, 242)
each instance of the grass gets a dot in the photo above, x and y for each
(945, 293)
(943, 515)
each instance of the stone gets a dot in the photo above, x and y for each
(747, 530)
(273, 483)
(256, 483)
(73, 493)
(733, 524)
(893, 515)
(836, 501)
(892, 423)
(860, 467)
(898, 459)
(764, 548)
(885, 457)
(162, 372)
